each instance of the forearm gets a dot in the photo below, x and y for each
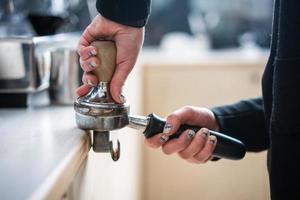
(130, 12)
(245, 121)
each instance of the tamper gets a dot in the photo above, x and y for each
(97, 111)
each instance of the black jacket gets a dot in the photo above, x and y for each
(279, 106)
(269, 123)
(127, 12)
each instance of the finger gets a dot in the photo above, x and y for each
(177, 144)
(82, 90)
(207, 151)
(155, 141)
(86, 38)
(196, 145)
(181, 116)
(87, 52)
(89, 79)
(121, 73)
(195, 116)
(90, 64)
(173, 122)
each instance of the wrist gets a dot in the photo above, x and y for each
(116, 25)
(215, 124)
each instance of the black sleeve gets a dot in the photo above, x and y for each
(127, 12)
(244, 121)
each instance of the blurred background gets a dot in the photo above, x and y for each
(196, 52)
(45, 17)
(224, 24)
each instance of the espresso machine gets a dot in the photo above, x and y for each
(31, 67)
(38, 59)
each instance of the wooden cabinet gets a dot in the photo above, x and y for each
(170, 85)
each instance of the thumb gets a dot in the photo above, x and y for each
(118, 80)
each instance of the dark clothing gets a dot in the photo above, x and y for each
(245, 121)
(271, 122)
(127, 12)
(280, 132)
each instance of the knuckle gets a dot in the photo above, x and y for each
(199, 140)
(206, 153)
(184, 156)
(151, 144)
(81, 62)
(84, 65)
(182, 143)
(202, 157)
(200, 160)
(172, 117)
(188, 108)
(166, 150)
(154, 146)
(79, 50)
(204, 130)
(192, 161)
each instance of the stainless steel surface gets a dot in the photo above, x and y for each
(17, 70)
(97, 110)
(101, 141)
(64, 76)
(102, 144)
(115, 152)
(99, 95)
(138, 122)
(25, 62)
(101, 123)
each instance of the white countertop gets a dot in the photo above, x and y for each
(41, 150)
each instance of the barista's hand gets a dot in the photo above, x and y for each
(128, 42)
(190, 146)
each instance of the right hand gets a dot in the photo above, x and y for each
(128, 42)
(190, 146)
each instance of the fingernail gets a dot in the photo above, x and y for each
(205, 133)
(212, 139)
(123, 99)
(93, 52)
(93, 64)
(167, 128)
(90, 83)
(163, 138)
(190, 134)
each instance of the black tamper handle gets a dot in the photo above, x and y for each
(227, 147)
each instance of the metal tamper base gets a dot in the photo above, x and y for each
(97, 111)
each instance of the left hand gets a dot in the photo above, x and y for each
(190, 146)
